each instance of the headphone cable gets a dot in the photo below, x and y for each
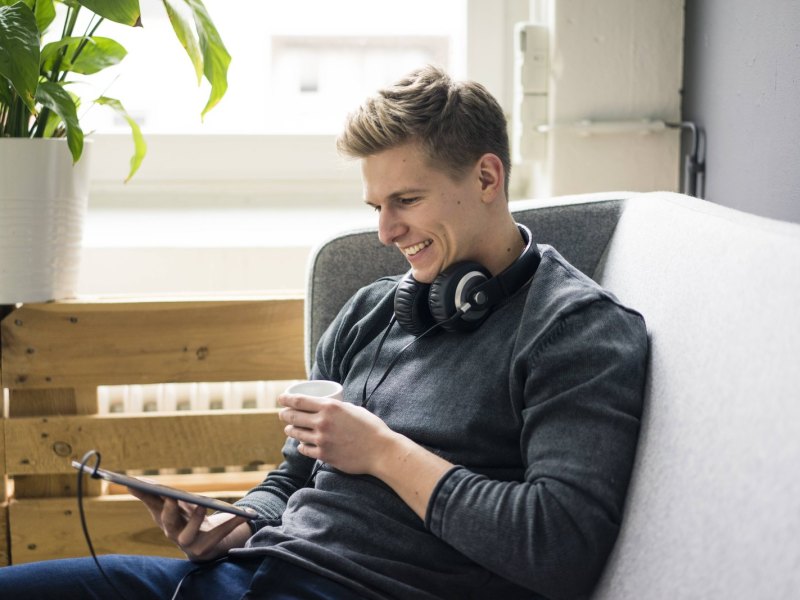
(84, 461)
(197, 568)
(464, 308)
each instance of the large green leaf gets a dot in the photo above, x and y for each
(6, 92)
(19, 50)
(215, 57)
(126, 12)
(139, 145)
(28, 3)
(54, 126)
(45, 12)
(184, 29)
(97, 54)
(55, 97)
(51, 126)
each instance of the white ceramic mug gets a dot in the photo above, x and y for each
(319, 388)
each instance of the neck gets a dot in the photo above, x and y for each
(507, 248)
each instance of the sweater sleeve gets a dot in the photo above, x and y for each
(582, 385)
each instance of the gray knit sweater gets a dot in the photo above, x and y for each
(539, 408)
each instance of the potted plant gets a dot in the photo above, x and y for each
(43, 181)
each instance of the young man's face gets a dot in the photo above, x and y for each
(432, 219)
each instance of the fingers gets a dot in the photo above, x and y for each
(310, 404)
(307, 427)
(188, 533)
(154, 504)
(186, 524)
(299, 423)
(297, 417)
(208, 542)
(222, 529)
(302, 435)
(166, 513)
(307, 412)
(173, 519)
(309, 450)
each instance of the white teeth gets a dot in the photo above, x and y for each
(412, 250)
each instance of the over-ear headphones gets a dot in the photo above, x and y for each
(462, 296)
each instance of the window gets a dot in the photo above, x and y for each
(316, 80)
(236, 202)
(297, 67)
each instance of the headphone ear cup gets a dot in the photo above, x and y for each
(451, 289)
(411, 305)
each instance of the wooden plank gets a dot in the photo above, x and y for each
(83, 344)
(51, 486)
(47, 528)
(61, 401)
(5, 542)
(5, 310)
(3, 478)
(46, 445)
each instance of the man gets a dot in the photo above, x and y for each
(488, 460)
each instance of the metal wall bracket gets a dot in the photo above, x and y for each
(694, 162)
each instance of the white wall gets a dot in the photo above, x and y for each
(601, 80)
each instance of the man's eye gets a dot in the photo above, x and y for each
(407, 201)
(376, 208)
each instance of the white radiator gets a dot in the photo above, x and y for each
(169, 397)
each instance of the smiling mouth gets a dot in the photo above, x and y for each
(412, 250)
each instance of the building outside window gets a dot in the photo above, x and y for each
(297, 67)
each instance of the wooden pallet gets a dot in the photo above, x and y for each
(55, 355)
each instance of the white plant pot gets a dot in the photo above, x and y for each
(43, 200)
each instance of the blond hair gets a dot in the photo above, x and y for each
(454, 122)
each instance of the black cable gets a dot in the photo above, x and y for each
(385, 335)
(197, 569)
(364, 398)
(180, 583)
(94, 475)
(84, 461)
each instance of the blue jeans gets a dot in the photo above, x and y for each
(150, 577)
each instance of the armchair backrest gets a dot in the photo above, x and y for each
(713, 509)
(577, 226)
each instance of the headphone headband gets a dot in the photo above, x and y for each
(513, 277)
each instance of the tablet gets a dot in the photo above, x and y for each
(157, 489)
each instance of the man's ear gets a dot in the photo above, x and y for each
(492, 177)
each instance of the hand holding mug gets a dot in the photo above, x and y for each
(346, 436)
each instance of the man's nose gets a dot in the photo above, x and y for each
(389, 227)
